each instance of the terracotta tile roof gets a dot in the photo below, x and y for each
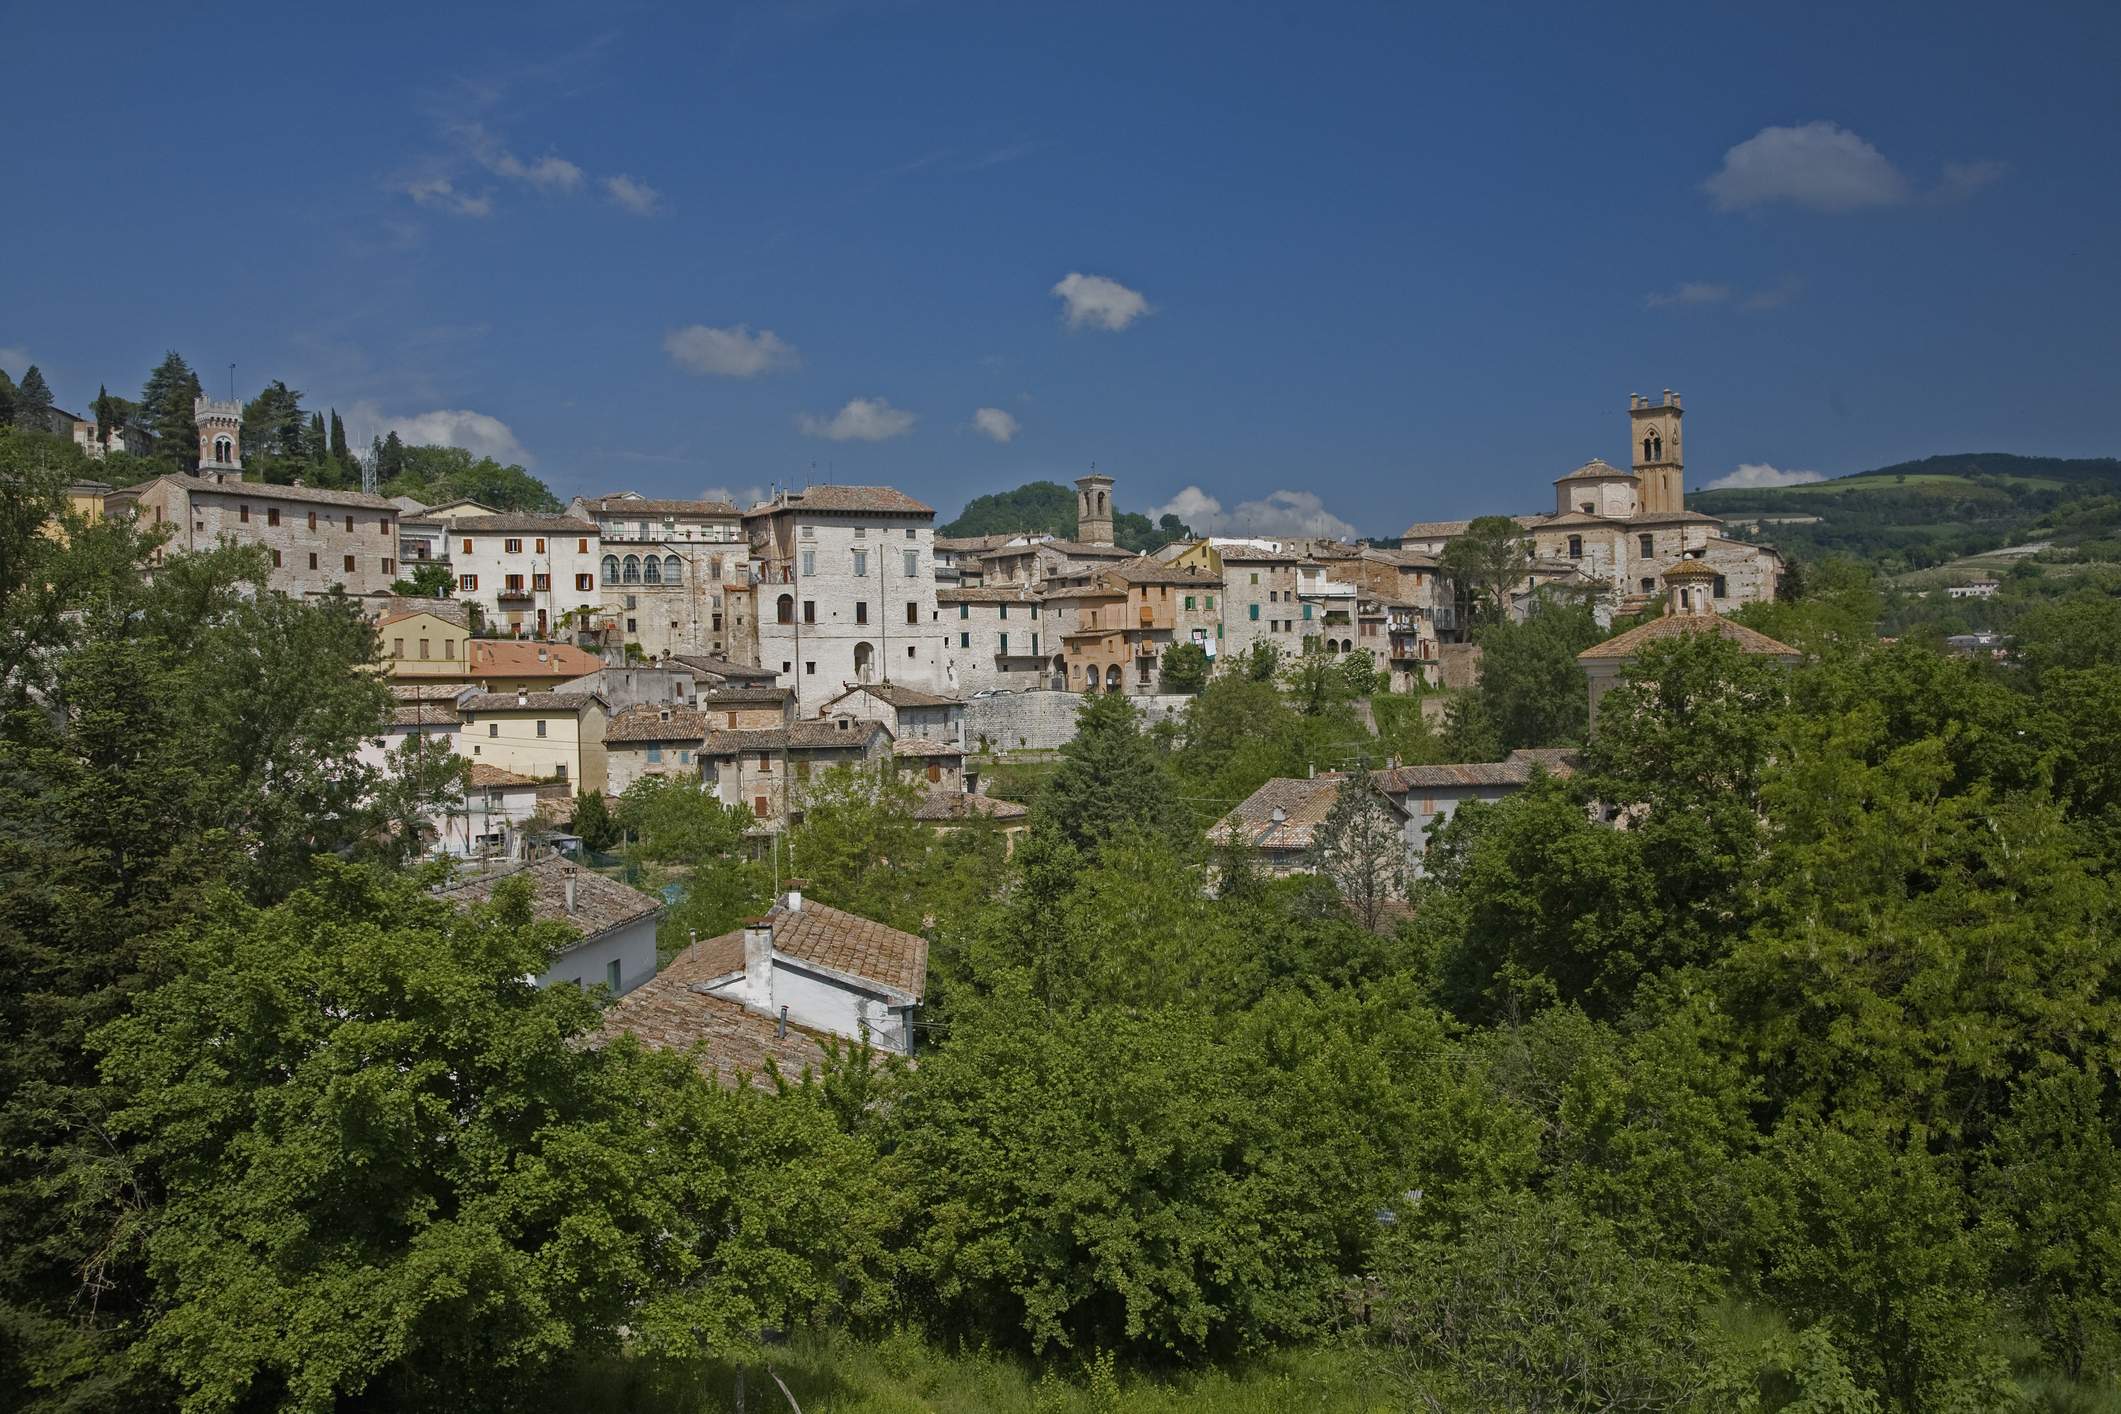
(1304, 803)
(1410, 559)
(987, 594)
(1149, 570)
(528, 701)
(267, 491)
(972, 544)
(448, 610)
(1087, 591)
(427, 712)
(925, 746)
(1597, 469)
(1627, 645)
(761, 696)
(649, 722)
(428, 691)
(600, 904)
(733, 1043)
(722, 668)
(485, 777)
(849, 943)
(1515, 771)
(877, 499)
(1254, 555)
(518, 658)
(1431, 529)
(939, 805)
(898, 695)
(613, 504)
(511, 521)
(796, 736)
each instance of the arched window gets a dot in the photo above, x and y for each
(784, 609)
(864, 658)
(224, 450)
(631, 572)
(1112, 678)
(1653, 448)
(652, 571)
(673, 572)
(1100, 503)
(611, 569)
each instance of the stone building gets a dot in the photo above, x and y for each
(753, 707)
(1115, 624)
(766, 770)
(845, 580)
(993, 637)
(1690, 609)
(666, 569)
(319, 540)
(530, 574)
(652, 740)
(1094, 511)
(1259, 600)
(1614, 532)
(904, 711)
(1035, 559)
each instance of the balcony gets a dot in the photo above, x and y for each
(514, 596)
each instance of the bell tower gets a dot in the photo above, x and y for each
(1093, 509)
(220, 438)
(1653, 430)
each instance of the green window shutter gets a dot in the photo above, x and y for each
(1255, 613)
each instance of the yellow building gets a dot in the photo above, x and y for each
(425, 645)
(548, 736)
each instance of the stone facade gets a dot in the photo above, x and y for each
(319, 540)
(1259, 602)
(997, 637)
(529, 573)
(765, 771)
(665, 570)
(652, 740)
(904, 712)
(845, 584)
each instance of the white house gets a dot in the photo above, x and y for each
(528, 572)
(1429, 794)
(617, 924)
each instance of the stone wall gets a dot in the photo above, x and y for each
(1044, 720)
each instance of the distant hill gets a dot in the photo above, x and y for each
(1050, 507)
(1919, 513)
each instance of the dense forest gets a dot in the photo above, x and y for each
(1050, 507)
(1916, 514)
(282, 442)
(1765, 1063)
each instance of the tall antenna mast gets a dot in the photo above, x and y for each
(231, 382)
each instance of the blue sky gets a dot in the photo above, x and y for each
(1361, 264)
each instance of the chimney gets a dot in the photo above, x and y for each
(522, 697)
(794, 898)
(570, 891)
(758, 962)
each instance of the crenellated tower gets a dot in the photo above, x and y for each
(220, 438)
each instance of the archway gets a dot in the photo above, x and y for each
(784, 609)
(864, 660)
(1112, 678)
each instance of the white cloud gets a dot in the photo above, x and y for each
(1760, 301)
(742, 497)
(1276, 513)
(862, 420)
(636, 196)
(995, 423)
(1754, 476)
(14, 359)
(1819, 165)
(1099, 302)
(476, 432)
(442, 194)
(1963, 179)
(1690, 292)
(734, 352)
(550, 173)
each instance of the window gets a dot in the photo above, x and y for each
(632, 602)
(913, 612)
(1210, 601)
(672, 571)
(467, 583)
(810, 670)
(964, 611)
(449, 648)
(1649, 546)
(909, 532)
(630, 571)
(861, 564)
(390, 566)
(1034, 645)
(655, 755)
(581, 546)
(611, 569)
(493, 729)
(861, 611)
(861, 532)
(349, 523)
(383, 526)
(272, 515)
(1005, 611)
(349, 564)
(1307, 612)
(1255, 576)
(652, 570)
(541, 582)
(809, 532)
(765, 762)
(1034, 611)
(964, 640)
(541, 726)
(913, 564)
(514, 583)
(784, 609)
(312, 520)
(397, 648)
(1189, 602)
(243, 514)
(276, 559)
(426, 648)
(1575, 547)
(541, 545)
(611, 974)
(1723, 588)
(809, 564)
(684, 757)
(312, 559)
(758, 806)
(1005, 645)
(512, 546)
(585, 582)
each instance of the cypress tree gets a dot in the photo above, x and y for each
(33, 401)
(339, 452)
(7, 399)
(166, 411)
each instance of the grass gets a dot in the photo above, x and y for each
(830, 1374)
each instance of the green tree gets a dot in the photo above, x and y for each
(1530, 684)
(1184, 668)
(1487, 562)
(430, 579)
(592, 821)
(349, 469)
(1109, 777)
(859, 846)
(33, 401)
(1361, 846)
(166, 409)
(7, 399)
